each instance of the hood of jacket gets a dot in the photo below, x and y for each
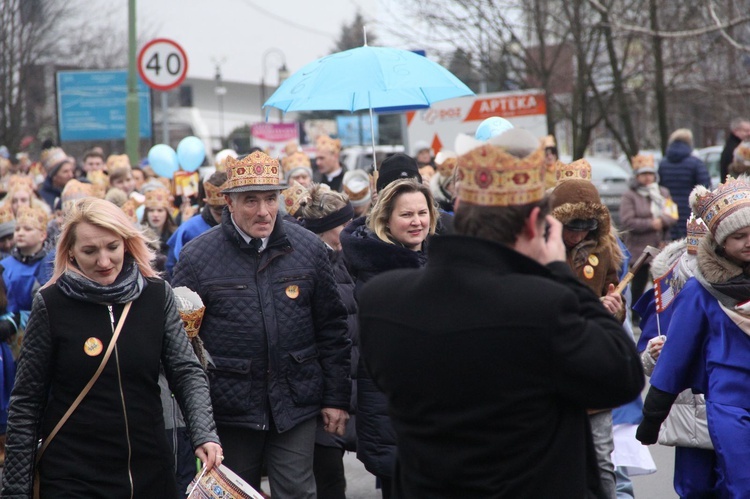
(713, 267)
(678, 150)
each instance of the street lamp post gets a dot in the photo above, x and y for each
(283, 74)
(221, 91)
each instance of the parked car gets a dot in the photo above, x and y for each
(711, 156)
(360, 157)
(610, 179)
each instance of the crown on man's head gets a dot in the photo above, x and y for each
(577, 170)
(253, 172)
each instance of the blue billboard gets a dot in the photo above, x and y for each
(91, 105)
(355, 129)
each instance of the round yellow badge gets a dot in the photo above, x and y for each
(594, 260)
(588, 272)
(292, 291)
(93, 347)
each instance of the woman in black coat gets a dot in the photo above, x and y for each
(392, 237)
(114, 443)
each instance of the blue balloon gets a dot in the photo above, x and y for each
(492, 127)
(191, 153)
(163, 160)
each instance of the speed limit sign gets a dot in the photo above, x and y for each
(162, 64)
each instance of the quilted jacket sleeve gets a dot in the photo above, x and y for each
(186, 378)
(334, 347)
(27, 403)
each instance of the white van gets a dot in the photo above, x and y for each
(360, 157)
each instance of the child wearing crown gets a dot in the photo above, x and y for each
(708, 349)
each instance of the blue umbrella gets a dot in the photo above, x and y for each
(367, 78)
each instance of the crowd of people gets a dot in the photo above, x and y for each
(462, 321)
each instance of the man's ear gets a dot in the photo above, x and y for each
(531, 227)
(228, 199)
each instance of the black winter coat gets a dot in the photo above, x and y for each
(488, 390)
(367, 256)
(679, 172)
(274, 325)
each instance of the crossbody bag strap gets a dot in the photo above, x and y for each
(89, 385)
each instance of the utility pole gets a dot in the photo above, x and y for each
(132, 119)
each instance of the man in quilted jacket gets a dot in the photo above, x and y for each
(275, 327)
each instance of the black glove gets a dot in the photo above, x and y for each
(655, 410)
(8, 328)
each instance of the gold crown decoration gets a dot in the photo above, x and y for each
(6, 213)
(446, 162)
(295, 197)
(73, 191)
(295, 160)
(158, 198)
(254, 172)
(129, 208)
(214, 197)
(117, 161)
(356, 184)
(291, 147)
(742, 153)
(220, 160)
(32, 216)
(577, 170)
(696, 229)
(15, 181)
(99, 177)
(640, 161)
(549, 141)
(191, 309)
(724, 210)
(326, 143)
(490, 176)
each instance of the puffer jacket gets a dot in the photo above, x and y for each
(274, 325)
(680, 171)
(367, 256)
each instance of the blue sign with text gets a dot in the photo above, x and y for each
(91, 105)
(355, 130)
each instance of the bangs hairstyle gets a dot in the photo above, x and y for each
(105, 215)
(381, 213)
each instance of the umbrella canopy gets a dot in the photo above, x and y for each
(367, 78)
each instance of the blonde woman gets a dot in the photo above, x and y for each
(114, 443)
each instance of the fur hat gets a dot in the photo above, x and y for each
(253, 172)
(682, 135)
(7, 221)
(356, 185)
(396, 167)
(724, 210)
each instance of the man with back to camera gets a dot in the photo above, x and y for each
(275, 327)
(488, 392)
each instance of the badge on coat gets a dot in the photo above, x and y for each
(93, 347)
(588, 272)
(292, 291)
(594, 260)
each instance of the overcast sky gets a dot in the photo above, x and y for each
(242, 34)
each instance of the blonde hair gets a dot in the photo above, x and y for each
(323, 201)
(381, 213)
(105, 215)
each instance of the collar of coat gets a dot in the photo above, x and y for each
(603, 235)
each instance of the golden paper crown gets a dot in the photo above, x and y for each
(129, 208)
(6, 213)
(578, 170)
(220, 160)
(356, 184)
(640, 161)
(214, 197)
(724, 210)
(295, 160)
(696, 229)
(326, 143)
(192, 321)
(742, 153)
(73, 191)
(548, 141)
(489, 176)
(255, 172)
(295, 197)
(32, 217)
(291, 147)
(98, 177)
(157, 198)
(117, 161)
(446, 162)
(17, 181)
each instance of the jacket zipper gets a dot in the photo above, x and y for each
(122, 399)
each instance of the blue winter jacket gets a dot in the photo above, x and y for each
(274, 325)
(679, 172)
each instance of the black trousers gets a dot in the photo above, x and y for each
(328, 468)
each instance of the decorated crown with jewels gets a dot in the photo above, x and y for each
(32, 216)
(295, 197)
(696, 229)
(577, 170)
(255, 172)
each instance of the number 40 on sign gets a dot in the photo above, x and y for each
(162, 64)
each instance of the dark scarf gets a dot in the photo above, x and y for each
(737, 287)
(28, 259)
(208, 217)
(127, 287)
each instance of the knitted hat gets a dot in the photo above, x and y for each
(53, 159)
(579, 169)
(157, 198)
(296, 163)
(7, 222)
(696, 229)
(295, 197)
(507, 170)
(724, 210)
(32, 217)
(396, 167)
(73, 191)
(356, 185)
(253, 172)
(643, 163)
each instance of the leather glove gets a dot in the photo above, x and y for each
(655, 410)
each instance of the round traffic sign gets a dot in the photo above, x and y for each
(162, 64)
